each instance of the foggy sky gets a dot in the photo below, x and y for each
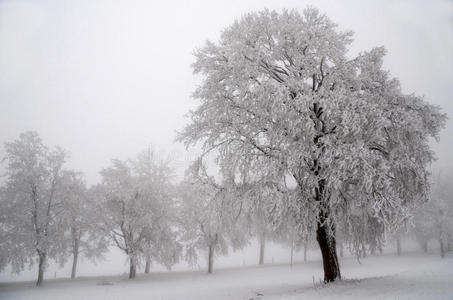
(105, 79)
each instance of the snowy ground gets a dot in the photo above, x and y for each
(411, 276)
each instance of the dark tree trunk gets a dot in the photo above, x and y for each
(132, 268)
(326, 241)
(210, 259)
(147, 265)
(442, 248)
(262, 246)
(41, 268)
(398, 246)
(325, 232)
(326, 237)
(75, 252)
(75, 257)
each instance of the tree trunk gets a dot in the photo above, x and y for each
(292, 254)
(398, 246)
(363, 251)
(442, 248)
(262, 245)
(147, 265)
(292, 249)
(75, 256)
(132, 268)
(341, 248)
(425, 246)
(326, 236)
(210, 259)
(325, 232)
(41, 268)
(74, 263)
(449, 242)
(305, 251)
(327, 244)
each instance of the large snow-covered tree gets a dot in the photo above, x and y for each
(30, 206)
(134, 209)
(280, 93)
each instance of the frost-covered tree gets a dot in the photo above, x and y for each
(256, 203)
(259, 219)
(31, 211)
(208, 217)
(79, 218)
(435, 218)
(423, 229)
(154, 178)
(362, 231)
(279, 92)
(134, 207)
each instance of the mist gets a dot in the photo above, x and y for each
(111, 80)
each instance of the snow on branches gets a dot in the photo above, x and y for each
(279, 93)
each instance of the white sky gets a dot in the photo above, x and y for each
(105, 79)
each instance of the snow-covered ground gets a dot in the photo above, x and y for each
(411, 276)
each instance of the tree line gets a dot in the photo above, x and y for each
(49, 213)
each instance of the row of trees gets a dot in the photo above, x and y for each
(45, 209)
(48, 212)
(307, 140)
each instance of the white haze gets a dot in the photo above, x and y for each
(106, 79)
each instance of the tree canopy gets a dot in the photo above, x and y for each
(280, 94)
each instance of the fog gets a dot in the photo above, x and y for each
(107, 79)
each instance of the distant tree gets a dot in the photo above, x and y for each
(79, 220)
(278, 93)
(261, 225)
(423, 231)
(289, 233)
(435, 218)
(362, 231)
(208, 217)
(154, 178)
(397, 237)
(31, 209)
(133, 209)
(257, 204)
